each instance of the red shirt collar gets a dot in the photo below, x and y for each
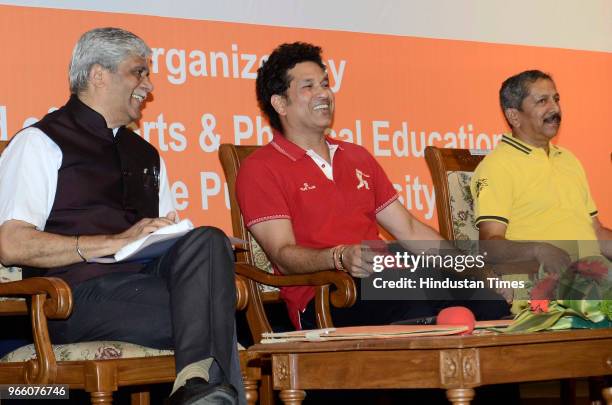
(293, 151)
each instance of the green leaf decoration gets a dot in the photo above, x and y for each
(529, 321)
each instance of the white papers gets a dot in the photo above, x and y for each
(380, 332)
(150, 246)
(362, 332)
(154, 245)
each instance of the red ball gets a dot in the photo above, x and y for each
(460, 316)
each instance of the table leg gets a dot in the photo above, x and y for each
(251, 390)
(292, 397)
(607, 394)
(460, 396)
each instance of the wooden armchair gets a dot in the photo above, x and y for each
(451, 171)
(263, 286)
(253, 263)
(99, 368)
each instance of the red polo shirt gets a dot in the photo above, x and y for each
(281, 181)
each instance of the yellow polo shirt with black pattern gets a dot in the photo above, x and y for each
(538, 196)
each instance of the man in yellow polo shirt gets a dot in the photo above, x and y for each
(529, 189)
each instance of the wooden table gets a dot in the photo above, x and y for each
(456, 364)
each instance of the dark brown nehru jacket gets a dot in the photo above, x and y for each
(105, 183)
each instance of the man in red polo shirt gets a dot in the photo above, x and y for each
(310, 201)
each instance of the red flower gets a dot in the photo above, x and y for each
(539, 305)
(595, 270)
(543, 289)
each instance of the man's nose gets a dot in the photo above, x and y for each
(323, 93)
(147, 84)
(556, 106)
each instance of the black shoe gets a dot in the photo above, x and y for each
(197, 391)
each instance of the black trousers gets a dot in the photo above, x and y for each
(184, 300)
(384, 312)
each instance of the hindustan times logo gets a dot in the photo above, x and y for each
(409, 261)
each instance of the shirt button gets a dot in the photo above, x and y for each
(322, 165)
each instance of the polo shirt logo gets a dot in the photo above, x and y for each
(480, 185)
(307, 187)
(362, 182)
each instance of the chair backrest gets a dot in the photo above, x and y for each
(451, 172)
(231, 156)
(254, 264)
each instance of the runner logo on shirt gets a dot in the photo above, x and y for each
(362, 182)
(307, 187)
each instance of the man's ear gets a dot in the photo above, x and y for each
(279, 103)
(512, 115)
(97, 76)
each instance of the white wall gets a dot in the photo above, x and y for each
(573, 24)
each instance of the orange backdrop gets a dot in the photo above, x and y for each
(422, 90)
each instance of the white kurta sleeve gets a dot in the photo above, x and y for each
(166, 203)
(28, 177)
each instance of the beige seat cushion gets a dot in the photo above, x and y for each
(97, 350)
(8, 274)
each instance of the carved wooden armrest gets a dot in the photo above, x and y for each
(49, 298)
(54, 293)
(242, 293)
(344, 295)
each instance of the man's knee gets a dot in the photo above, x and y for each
(209, 235)
(206, 239)
(213, 242)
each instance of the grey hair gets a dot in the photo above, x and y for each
(514, 89)
(106, 47)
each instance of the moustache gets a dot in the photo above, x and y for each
(555, 117)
